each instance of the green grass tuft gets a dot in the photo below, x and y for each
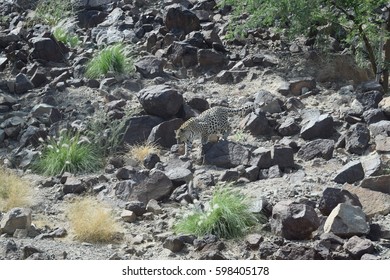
(115, 59)
(50, 12)
(68, 39)
(68, 153)
(228, 216)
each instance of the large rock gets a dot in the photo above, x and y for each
(331, 197)
(357, 247)
(139, 128)
(16, 218)
(317, 148)
(226, 154)
(297, 86)
(377, 183)
(346, 220)
(373, 202)
(294, 221)
(183, 54)
(380, 128)
(350, 173)
(262, 158)
(47, 49)
(164, 133)
(385, 105)
(358, 137)
(211, 58)
(22, 84)
(269, 102)
(282, 156)
(142, 187)
(161, 100)
(256, 124)
(318, 127)
(150, 67)
(181, 21)
(382, 143)
(369, 99)
(289, 127)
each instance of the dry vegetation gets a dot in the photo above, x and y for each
(140, 151)
(14, 191)
(91, 221)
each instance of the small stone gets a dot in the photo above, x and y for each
(350, 173)
(357, 246)
(253, 241)
(16, 218)
(128, 216)
(174, 243)
(154, 207)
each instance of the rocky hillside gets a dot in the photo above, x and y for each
(313, 157)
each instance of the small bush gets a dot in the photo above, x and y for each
(115, 59)
(68, 39)
(50, 12)
(14, 192)
(91, 221)
(228, 216)
(140, 151)
(68, 154)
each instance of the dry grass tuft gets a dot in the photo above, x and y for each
(14, 191)
(91, 221)
(139, 152)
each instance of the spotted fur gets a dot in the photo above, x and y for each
(212, 121)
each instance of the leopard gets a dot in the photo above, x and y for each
(211, 121)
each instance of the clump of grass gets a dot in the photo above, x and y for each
(139, 152)
(50, 12)
(91, 221)
(68, 39)
(14, 191)
(114, 59)
(228, 216)
(68, 153)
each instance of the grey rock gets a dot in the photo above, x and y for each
(154, 207)
(211, 58)
(346, 220)
(16, 218)
(178, 20)
(282, 156)
(269, 102)
(47, 49)
(289, 127)
(150, 67)
(128, 216)
(318, 127)
(144, 188)
(380, 128)
(161, 100)
(226, 154)
(350, 173)
(384, 105)
(377, 183)
(229, 175)
(138, 128)
(256, 124)
(151, 160)
(179, 175)
(252, 173)
(22, 84)
(295, 86)
(183, 54)
(331, 197)
(358, 137)
(174, 243)
(369, 99)
(294, 221)
(357, 246)
(373, 115)
(372, 165)
(73, 185)
(88, 18)
(267, 249)
(317, 148)
(373, 202)
(253, 241)
(294, 251)
(274, 172)
(136, 207)
(164, 133)
(262, 158)
(382, 143)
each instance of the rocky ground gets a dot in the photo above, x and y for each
(313, 156)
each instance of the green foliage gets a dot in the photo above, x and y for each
(106, 134)
(228, 216)
(68, 153)
(61, 35)
(115, 59)
(50, 12)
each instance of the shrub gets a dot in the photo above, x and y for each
(139, 152)
(14, 191)
(115, 59)
(50, 12)
(91, 221)
(228, 216)
(68, 39)
(68, 154)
